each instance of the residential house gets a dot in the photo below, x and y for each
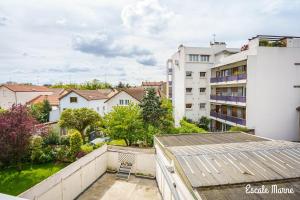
(124, 97)
(161, 86)
(93, 99)
(20, 94)
(226, 166)
(53, 100)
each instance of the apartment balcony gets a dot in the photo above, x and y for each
(170, 83)
(240, 78)
(227, 118)
(170, 71)
(235, 100)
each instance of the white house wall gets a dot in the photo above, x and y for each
(114, 101)
(7, 98)
(272, 98)
(96, 105)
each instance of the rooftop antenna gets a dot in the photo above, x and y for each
(214, 37)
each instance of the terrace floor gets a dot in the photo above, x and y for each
(109, 188)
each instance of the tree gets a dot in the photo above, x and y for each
(2, 110)
(46, 109)
(204, 123)
(89, 85)
(16, 128)
(79, 119)
(75, 141)
(124, 122)
(167, 120)
(186, 127)
(152, 111)
(41, 111)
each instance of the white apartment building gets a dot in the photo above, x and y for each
(257, 88)
(188, 75)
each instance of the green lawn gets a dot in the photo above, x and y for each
(13, 183)
(117, 142)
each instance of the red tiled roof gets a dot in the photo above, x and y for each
(26, 88)
(88, 94)
(53, 100)
(137, 93)
(154, 83)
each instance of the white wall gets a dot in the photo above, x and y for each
(8, 97)
(170, 184)
(97, 105)
(271, 97)
(114, 101)
(180, 82)
(144, 162)
(69, 182)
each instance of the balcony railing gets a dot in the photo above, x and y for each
(228, 78)
(228, 98)
(232, 119)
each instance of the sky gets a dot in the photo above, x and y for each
(51, 41)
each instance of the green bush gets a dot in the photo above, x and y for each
(63, 154)
(186, 127)
(65, 140)
(87, 148)
(238, 129)
(36, 145)
(96, 146)
(75, 141)
(52, 138)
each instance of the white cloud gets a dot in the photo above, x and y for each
(105, 45)
(147, 16)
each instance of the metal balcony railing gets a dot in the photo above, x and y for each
(228, 78)
(232, 119)
(228, 98)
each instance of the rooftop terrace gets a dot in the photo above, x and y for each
(109, 188)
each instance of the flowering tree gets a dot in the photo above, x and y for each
(16, 128)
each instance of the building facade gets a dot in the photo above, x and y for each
(257, 88)
(188, 75)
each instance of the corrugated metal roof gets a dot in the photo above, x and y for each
(206, 138)
(234, 163)
(237, 192)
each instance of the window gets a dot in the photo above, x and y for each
(188, 105)
(73, 99)
(202, 74)
(204, 58)
(188, 74)
(126, 102)
(188, 90)
(202, 105)
(202, 90)
(193, 57)
(121, 102)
